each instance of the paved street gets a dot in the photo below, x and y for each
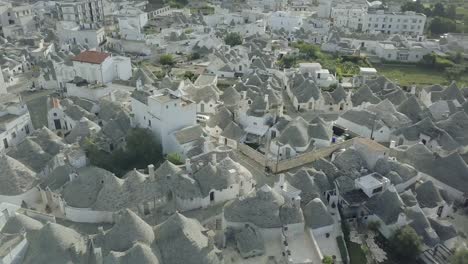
(257, 170)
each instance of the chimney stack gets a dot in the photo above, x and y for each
(151, 172)
(206, 145)
(244, 95)
(213, 159)
(188, 165)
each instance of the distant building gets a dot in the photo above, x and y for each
(16, 20)
(163, 113)
(81, 11)
(3, 86)
(131, 23)
(15, 124)
(409, 23)
(101, 67)
(285, 20)
(70, 33)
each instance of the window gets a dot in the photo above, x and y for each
(376, 190)
(149, 123)
(13, 135)
(27, 129)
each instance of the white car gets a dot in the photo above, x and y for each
(202, 118)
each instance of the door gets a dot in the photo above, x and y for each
(212, 196)
(5, 143)
(202, 108)
(57, 124)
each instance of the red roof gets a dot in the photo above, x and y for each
(89, 56)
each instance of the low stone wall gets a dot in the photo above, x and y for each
(252, 153)
(87, 215)
(307, 157)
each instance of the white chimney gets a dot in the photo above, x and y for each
(188, 165)
(151, 172)
(213, 158)
(112, 96)
(244, 95)
(98, 255)
(206, 146)
(139, 85)
(73, 176)
(392, 144)
(413, 89)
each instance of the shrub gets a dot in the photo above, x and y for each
(175, 158)
(406, 243)
(167, 59)
(233, 39)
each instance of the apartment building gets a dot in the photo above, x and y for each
(81, 11)
(348, 15)
(406, 23)
(16, 20)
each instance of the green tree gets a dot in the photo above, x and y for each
(415, 6)
(167, 59)
(327, 260)
(457, 57)
(178, 3)
(438, 10)
(309, 51)
(287, 61)
(460, 256)
(429, 59)
(175, 158)
(194, 56)
(141, 150)
(373, 225)
(442, 25)
(190, 75)
(96, 156)
(233, 39)
(451, 11)
(406, 243)
(455, 72)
